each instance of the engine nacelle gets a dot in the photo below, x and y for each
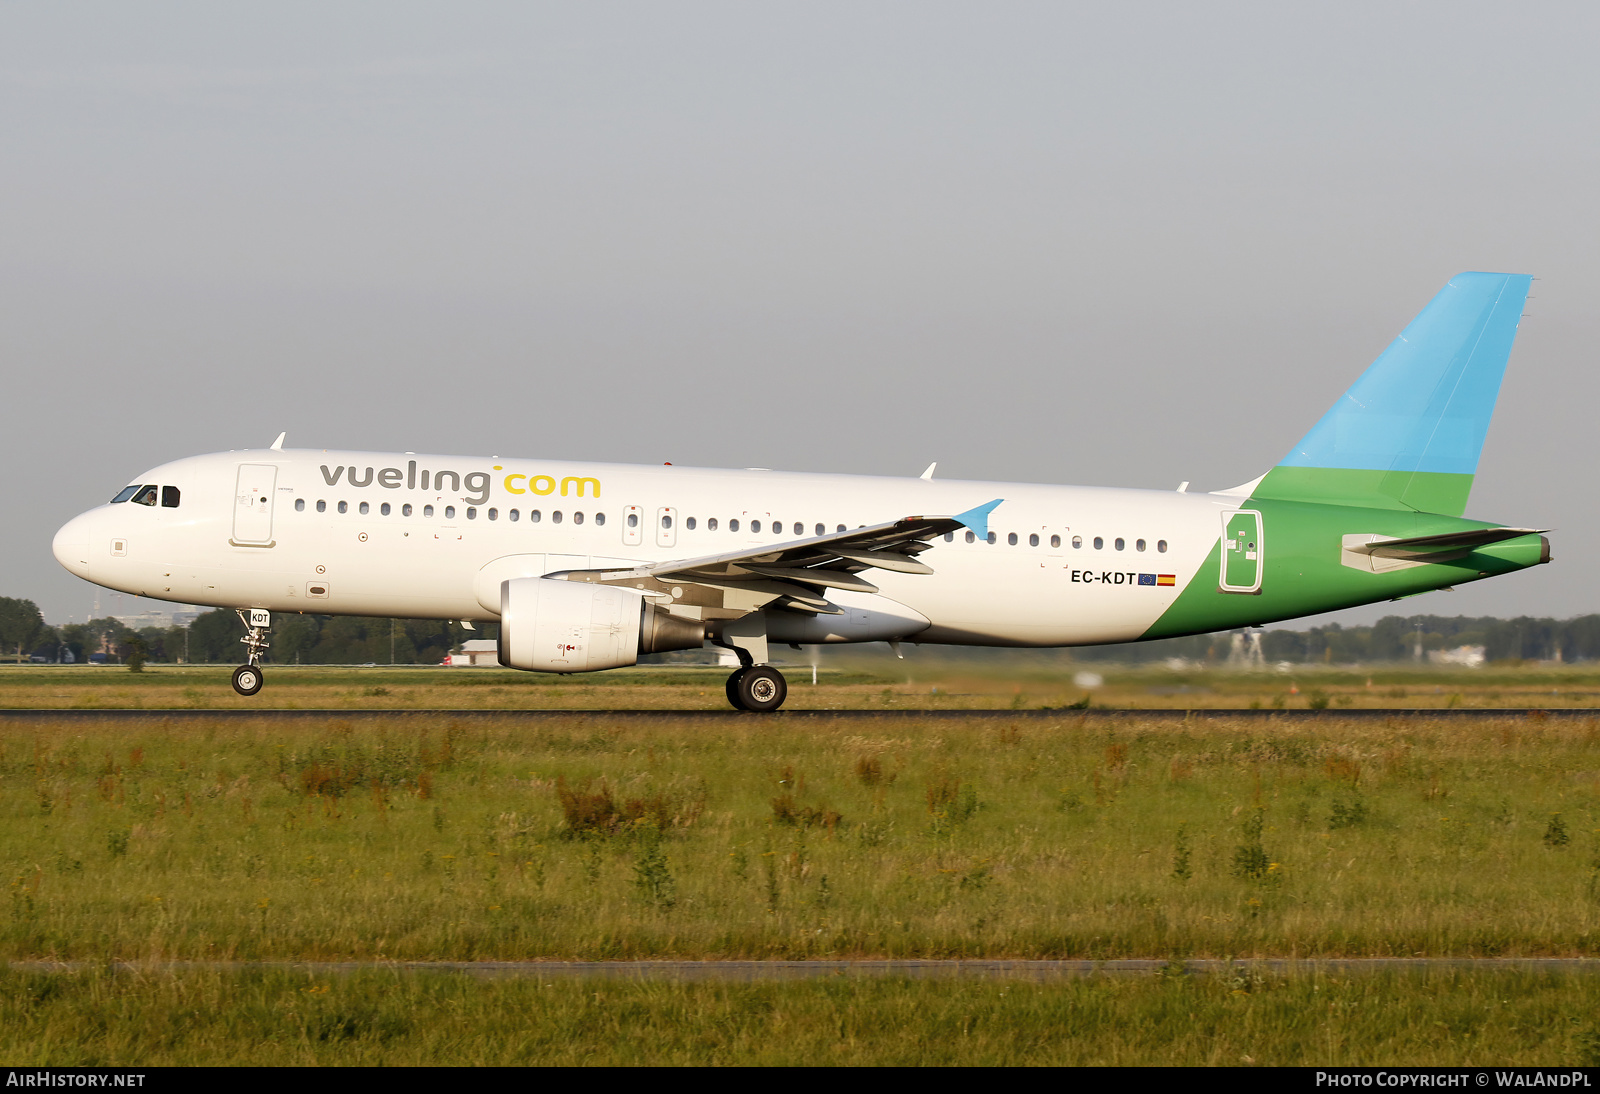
(551, 625)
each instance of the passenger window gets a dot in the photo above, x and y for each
(1012, 539)
(972, 537)
(1099, 544)
(1055, 541)
(666, 521)
(577, 518)
(689, 524)
(405, 510)
(711, 524)
(599, 518)
(1120, 544)
(472, 512)
(145, 496)
(1077, 542)
(822, 529)
(344, 507)
(949, 537)
(839, 529)
(991, 537)
(799, 529)
(494, 514)
(124, 494)
(1138, 545)
(1033, 540)
(1161, 545)
(384, 508)
(534, 516)
(555, 516)
(299, 505)
(427, 510)
(449, 512)
(733, 525)
(513, 516)
(365, 508)
(755, 526)
(169, 498)
(633, 520)
(322, 507)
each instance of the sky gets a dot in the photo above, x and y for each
(1127, 244)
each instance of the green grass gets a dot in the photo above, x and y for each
(762, 838)
(277, 1017)
(848, 680)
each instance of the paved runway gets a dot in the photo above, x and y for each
(190, 714)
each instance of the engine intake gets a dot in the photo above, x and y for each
(551, 625)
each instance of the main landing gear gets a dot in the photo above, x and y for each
(759, 688)
(247, 678)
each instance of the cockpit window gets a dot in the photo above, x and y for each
(169, 497)
(145, 496)
(127, 492)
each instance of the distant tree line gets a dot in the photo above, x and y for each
(345, 640)
(1392, 638)
(214, 638)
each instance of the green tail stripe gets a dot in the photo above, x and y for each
(1303, 573)
(1418, 491)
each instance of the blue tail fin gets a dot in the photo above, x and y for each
(1408, 433)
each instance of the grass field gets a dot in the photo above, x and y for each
(591, 837)
(926, 680)
(273, 1017)
(596, 838)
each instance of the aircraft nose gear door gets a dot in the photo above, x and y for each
(252, 505)
(1242, 554)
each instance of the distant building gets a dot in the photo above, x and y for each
(176, 617)
(479, 651)
(1470, 656)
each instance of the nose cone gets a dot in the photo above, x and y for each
(71, 545)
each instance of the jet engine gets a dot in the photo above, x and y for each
(551, 625)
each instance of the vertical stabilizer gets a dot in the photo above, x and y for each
(1408, 433)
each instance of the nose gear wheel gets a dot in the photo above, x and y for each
(247, 679)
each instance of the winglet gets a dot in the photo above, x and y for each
(978, 519)
(277, 445)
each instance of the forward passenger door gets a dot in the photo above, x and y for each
(252, 505)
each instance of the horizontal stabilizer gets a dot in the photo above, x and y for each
(1441, 548)
(1452, 544)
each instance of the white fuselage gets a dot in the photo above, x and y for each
(359, 533)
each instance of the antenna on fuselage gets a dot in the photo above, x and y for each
(928, 474)
(277, 445)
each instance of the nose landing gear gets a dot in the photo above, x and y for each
(247, 678)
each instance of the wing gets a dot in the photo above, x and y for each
(792, 575)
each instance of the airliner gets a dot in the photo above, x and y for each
(588, 566)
